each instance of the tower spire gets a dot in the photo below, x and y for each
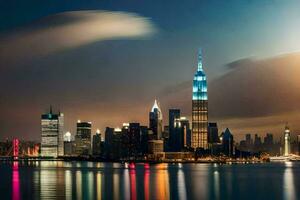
(200, 60)
(50, 109)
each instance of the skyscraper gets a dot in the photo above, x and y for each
(83, 138)
(181, 138)
(227, 142)
(173, 132)
(155, 120)
(52, 144)
(97, 143)
(287, 141)
(199, 108)
(213, 134)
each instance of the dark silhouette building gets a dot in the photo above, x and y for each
(227, 142)
(213, 134)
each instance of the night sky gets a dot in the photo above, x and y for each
(106, 61)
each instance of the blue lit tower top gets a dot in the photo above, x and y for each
(199, 83)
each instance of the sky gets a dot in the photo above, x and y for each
(106, 61)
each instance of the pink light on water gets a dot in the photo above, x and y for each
(15, 182)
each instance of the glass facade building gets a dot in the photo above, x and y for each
(199, 108)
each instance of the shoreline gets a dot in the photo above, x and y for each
(72, 159)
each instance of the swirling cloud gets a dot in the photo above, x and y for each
(69, 30)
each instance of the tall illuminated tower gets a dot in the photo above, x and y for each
(287, 141)
(199, 108)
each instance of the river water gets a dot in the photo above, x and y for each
(92, 180)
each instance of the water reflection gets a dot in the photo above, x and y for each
(99, 189)
(90, 185)
(146, 181)
(132, 184)
(15, 181)
(116, 182)
(162, 182)
(126, 184)
(48, 181)
(78, 184)
(288, 182)
(200, 188)
(68, 181)
(181, 185)
(80, 180)
(216, 185)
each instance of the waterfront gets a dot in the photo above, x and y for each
(92, 180)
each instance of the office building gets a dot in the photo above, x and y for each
(52, 144)
(199, 108)
(83, 138)
(173, 132)
(213, 134)
(97, 143)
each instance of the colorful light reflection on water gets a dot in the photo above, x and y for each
(86, 180)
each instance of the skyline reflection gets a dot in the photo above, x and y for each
(46, 180)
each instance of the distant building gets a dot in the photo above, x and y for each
(144, 139)
(108, 141)
(115, 144)
(213, 134)
(83, 138)
(155, 120)
(97, 143)
(199, 108)
(227, 142)
(52, 144)
(166, 132)
(249, 141)
(173, 132)
(155, 146)
(68, 144)
(182, 135)
(257, 141)
(268, 139)
(287, 141)
(186, 132)
(134, 139)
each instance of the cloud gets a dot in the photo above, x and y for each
(256, 88)
(69, 30)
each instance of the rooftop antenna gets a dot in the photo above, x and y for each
(200, 67)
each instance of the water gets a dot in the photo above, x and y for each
(87, 180)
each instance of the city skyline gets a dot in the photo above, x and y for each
(195, 99)
(119, 75)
